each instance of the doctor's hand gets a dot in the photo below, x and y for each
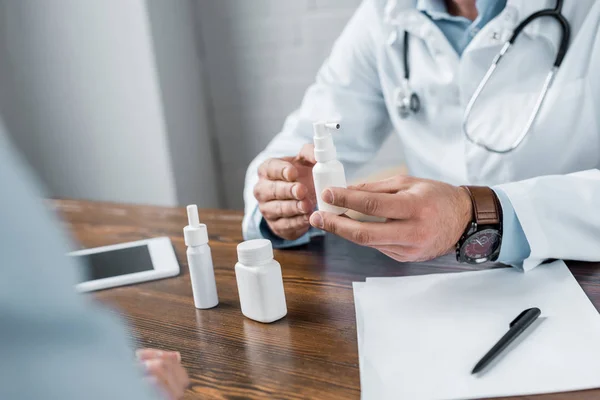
(285, 193)
(424, 219)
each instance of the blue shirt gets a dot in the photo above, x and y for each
(459, 31)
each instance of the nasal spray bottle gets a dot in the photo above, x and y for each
(328, 172)
(200, 262)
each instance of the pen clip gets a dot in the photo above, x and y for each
(521, 316)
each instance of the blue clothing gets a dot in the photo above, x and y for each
(459, 31)
(55, 344)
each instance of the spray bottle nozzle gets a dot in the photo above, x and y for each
(192, 212)
(323, 129)
(324, 147)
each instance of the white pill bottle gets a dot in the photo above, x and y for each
(328, 171)
(260, 282)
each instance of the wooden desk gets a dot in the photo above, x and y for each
(311, 354)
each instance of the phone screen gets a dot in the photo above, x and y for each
(116, 262)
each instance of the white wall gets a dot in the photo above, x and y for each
(84, 104)
(183, 88)
(155, 101)
(261, 55)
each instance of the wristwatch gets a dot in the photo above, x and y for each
(483, 236)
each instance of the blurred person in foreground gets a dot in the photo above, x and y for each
(56, 344)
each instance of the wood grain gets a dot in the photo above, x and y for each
(310, 354)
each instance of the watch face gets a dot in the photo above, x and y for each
(480, 246)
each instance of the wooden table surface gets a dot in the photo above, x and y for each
(310, 354)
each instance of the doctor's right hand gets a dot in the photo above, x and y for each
(286, 193)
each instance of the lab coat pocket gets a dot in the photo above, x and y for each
(564, 136)
(562, 139)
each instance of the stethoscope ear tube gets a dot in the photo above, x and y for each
(408, 101)
(564, 24)
(405, 51)
(566, 38)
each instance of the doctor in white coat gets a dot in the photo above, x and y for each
(538, 201)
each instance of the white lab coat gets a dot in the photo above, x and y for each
(552, 179)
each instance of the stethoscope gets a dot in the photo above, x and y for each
(408, 101)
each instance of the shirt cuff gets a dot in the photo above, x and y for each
(515, 247)
(279, 243)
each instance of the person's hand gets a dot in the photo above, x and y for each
(165, 371)
(286, 193)
(424, 218)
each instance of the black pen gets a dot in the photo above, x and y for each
(516, 327)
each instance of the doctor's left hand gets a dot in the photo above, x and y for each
(424, 218)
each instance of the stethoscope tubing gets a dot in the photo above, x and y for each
(556, 14)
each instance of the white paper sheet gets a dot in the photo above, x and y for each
(420, 337)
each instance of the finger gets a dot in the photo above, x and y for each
(389, 185)
(166, 372)
(307, 155)
(182, 380)
(147, 354)
(287, 226)
(276, 209)
(175, 385)
(278, 169)
(363, 233)
(397, 206)
(156, 367)
(173, 355)
(266, 190)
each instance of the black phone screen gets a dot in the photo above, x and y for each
(116, 262)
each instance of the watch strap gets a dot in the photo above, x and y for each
(486, 206)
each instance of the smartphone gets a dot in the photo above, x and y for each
(126, 263)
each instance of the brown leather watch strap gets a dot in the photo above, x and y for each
(486, 207)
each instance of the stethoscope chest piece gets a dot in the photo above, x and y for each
(406, 101)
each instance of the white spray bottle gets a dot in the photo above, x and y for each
(200, 262)
(328, 172)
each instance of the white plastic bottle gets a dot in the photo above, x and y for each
(328, 172)
(259, 281)
(200, 262)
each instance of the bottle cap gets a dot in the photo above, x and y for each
(195, 234)
(255, 251)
